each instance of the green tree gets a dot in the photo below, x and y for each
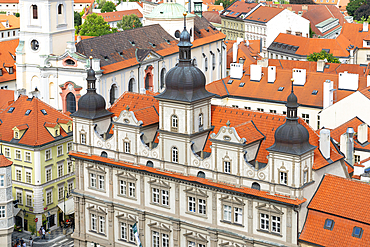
(353, 5)
(95, 25)
(101, 3)
(321, 56)
(108, 7)
(225, 3)
(77, 17)
(17, 15)
(129, 22)
(312, 33)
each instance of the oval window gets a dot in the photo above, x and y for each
(34, 45)
(70, 62)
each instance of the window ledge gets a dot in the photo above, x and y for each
(96, 189)
(99, 233)
(273, 233)
(61, 25)
(18, 159)
(128, 197)
(231, 223)
(197, 214)
(160, 205)
(28, 161)
(48, 159)
(124, 240)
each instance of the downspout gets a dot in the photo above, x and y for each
(294, 209)
(138, 78)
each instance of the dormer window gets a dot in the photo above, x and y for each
(174, 123)
(357, 232)
(16, 135)
(70, 62)
(69, 128)
(56, 132)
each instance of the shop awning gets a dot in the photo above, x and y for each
(69, 206)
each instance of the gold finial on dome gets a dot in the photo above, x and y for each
(185, 14)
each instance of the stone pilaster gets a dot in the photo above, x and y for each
(213, 239)
(111, 224)
(176, 233)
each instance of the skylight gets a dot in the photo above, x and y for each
(44, 112)
(241, 84)
(28, 112)
(11, 109)
(314, 92)
(237, 13)
(281, 89)
(230, 82)
(121, 53)
(232, 12)
(357, 232)
(329, 224)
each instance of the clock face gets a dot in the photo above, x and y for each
(34, 45)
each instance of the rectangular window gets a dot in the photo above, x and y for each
(227, 166)
(260, 109)
(69, 147)
(101, 182)
(28, 177)
(92, 180)
(60, 150)
(2, 183)
(49, 197)
(191, 203)
(275, 224)
(48, 175)
(123, 231)
(227, 213)
(93, 222)
(127, 147)
(318, 121)
(60, 193)
(2, 211)
(18, 155)
(272, 111)
(155, 195)
(165, 197)
(28, 156)
(165, 240)
(264, 222)
(202, 206)
(283, 178)
(29, 200)
(306, 117)
(48, 154)
(131, 234)
(83, 138)
(123, 187)
(238, 215)
(7, 152)
(69, 166)
(305, 177)
(20, 197)
(131, 189)
(70, 188)
(357, 158)
(101, 224)
(368, 57)
(155, 239)
(60, 170)
(18, 174)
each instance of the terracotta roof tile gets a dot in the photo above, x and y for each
(7, 56)
(238, 7)
(264, 14)
(14, 22)
(22, 127)
(206, 182)
(212, 15)
(353, 32)
(36, 134)
(249, 131)
(118, 15)
(4, 162)
(6, 98)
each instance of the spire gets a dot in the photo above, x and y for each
(91, 77)
(292, 105)
(184, 45)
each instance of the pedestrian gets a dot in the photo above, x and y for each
(43, 233)
(24, 244)
(31, 241)
(22, 241)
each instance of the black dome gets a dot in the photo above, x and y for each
(292, 101)
(91, 106)
(185, 82)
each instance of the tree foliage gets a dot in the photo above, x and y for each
(225, 3)
(359, 9)
(301, 2)
(108, 7)
(321, 56)
(129, 22)
(95, 25)
(312, 33)
(77, 17)
(353, 5)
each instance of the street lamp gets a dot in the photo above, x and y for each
(65, 195)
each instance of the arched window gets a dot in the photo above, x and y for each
(174, 122)
(104, 154)
(113, 94)
(213, 60)
(200, 120)
(201, 174)
(205, 64)
(60, 9)
(71, 102)
(256, 186)
(149, 163)
(163, 73)
(149, 81)
(131, 85)
(34, 11)
(51, 90)
(70, 62)
(56, 133)
(175, 155)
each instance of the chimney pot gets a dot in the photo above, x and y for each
(325, 143)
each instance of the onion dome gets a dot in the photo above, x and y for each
(292, 137)
(185, 82)
(91, 105)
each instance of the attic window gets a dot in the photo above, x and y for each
(281, 89)
(106, 58)
(70, 62)
(237, 13)
(11, 70)
(357, 232)
(44, 112)
(11, 110)
(28, 112)
(314, 92)
(121, 53)
(1, 72)
(153, 45)
(56, 132)
(230, 82)
(329, 224)
(132, 43)
(327, 66)
(232, 12)
(241, 84)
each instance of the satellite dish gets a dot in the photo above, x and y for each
(177, 34)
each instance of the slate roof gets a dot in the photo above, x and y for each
(36, 133)
(7, 58)
(264, 91)
(212, 16)
(344, 201)
(203, 181)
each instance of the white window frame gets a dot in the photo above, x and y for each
(28, 200)
(69, 146)
(174, 122)
(48, 155)
(127, 186)
(7, 152)
(2, 180)
(101, 182)
(83, 138)
(60, 193)
(283, 177)
(47, 170)
(29, 176)
(27, 157)
(2, 212)
(101, 224)
(49, 199)
(60, 169)
(18, 174)
(19, 196)
(196, 202)
(227, 166)
(60, 150)
(127, 147)
(18, 154)
(93, 222)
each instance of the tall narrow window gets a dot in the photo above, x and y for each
(60, 9)
(200, 119)
(227, 166)
(175, 155)
(227, 213)
(283, 178)
(34, 12)
(93, 222)
(174, 122)
(71, 102)
(264, 223)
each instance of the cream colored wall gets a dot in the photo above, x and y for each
(362, 56)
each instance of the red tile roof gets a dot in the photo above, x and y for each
(249, 131)
(36, 134)
(14, 22)
(238, 7)
(247, 50)
(269, 91)
(4, 162)
(6, 98)
(118, 15)
(353, 32)
(206, 182)
(214, 8)
(264, 14)
(212, 15)
(7, 49)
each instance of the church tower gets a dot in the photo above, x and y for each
(184, 107)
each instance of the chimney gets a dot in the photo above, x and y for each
(320, 65)
(304, 7)
(325, 143)
(299, 76)
(78, 38)
(349, 145)
(362, 133)
(271, 74)
(256, 72)
(365, 27)
(236, 71)
(328, 94)
(235, 52)
(348, 81)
